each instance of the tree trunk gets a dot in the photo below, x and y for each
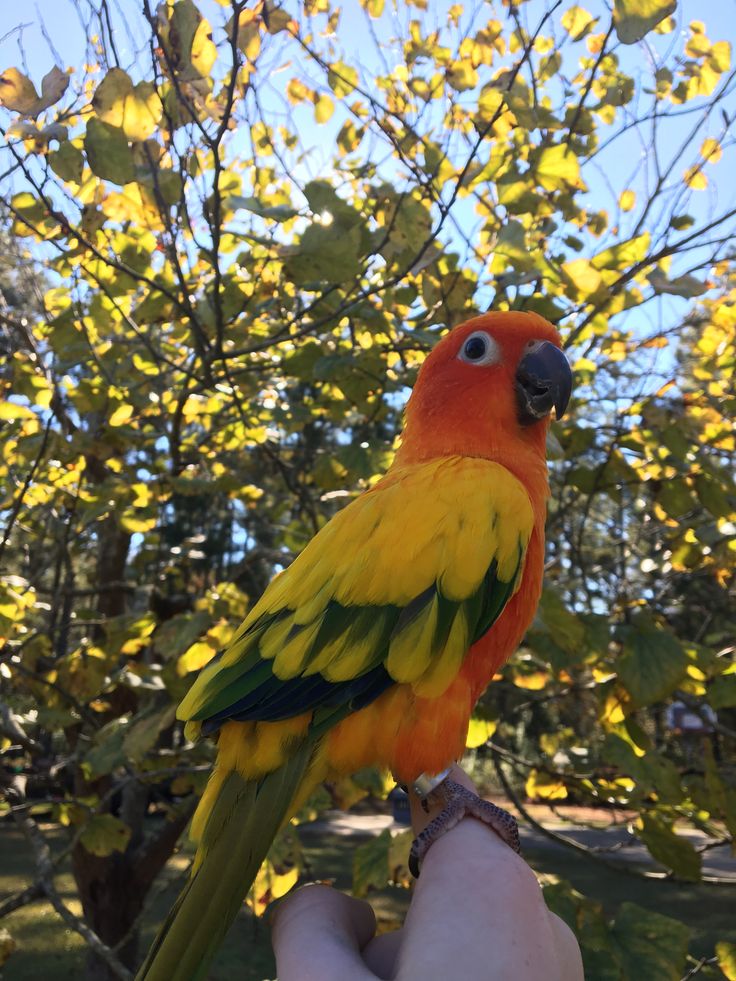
(113, 888)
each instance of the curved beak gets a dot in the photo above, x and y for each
(543, 382)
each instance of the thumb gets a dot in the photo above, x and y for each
(318, 934)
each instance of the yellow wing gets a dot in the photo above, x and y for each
(395, 588)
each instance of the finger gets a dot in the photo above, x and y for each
(569, 958)
(380, 953)
(318, 934)
(472, 887)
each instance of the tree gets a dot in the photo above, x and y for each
(253, 229)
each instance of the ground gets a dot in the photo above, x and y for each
(47, 947)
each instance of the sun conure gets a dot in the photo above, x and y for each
(373, 646)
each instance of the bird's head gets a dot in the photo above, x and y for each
(488, 389)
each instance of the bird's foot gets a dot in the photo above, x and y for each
(459, 802)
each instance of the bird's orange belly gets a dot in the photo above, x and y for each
(409, 735)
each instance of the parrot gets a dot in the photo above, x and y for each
(373, 646)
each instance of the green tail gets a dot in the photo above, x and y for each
(239, 831)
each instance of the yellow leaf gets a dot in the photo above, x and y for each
(532, 682)
(623, 254)
(695, 178)
(323, 108)
(578, 22)
(17, 91)
(719, 56)
(726, 954)
(297, 91)
(558, 168)
(666, 26)
(136, 109)
(132, 522)
(541, 786)
(199, 654)
(11, 410)
(711, 150)
(204, 51)
(461, 75)
(479, 732)
(121, 415)
(270, 885)
(584, 277)
(627, 200)
(614, 710)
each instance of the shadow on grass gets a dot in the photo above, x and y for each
(47, 948)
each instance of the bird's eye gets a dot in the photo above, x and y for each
(479, 349)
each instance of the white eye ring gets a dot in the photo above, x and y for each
(479, 349)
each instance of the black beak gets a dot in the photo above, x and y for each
(543, 380)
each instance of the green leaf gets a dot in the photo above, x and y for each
(371, 864)
(650, 945)
(105, 834)
(651, 771)
(189, 42)
(326, 252)
(714, 495)
(67, 162)
(681, 222)
(653, 662)
(635, 18)
(511, 245)
(106, 753)
(108, 153)
(687, 285)
(279, 212)
(722, 693)
(178, 634)
(142, 733)
(670, 849)
(567, 629)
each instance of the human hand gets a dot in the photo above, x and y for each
(477, 914)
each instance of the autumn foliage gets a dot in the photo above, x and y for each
(224, 259)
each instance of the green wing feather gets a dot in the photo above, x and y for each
(401, 582)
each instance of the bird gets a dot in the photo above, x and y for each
(374, 645)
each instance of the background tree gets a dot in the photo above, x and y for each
(239, 229)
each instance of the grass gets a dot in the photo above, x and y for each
(47, 948)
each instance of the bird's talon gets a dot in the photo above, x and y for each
(459, 802)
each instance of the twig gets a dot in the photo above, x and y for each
(698, 967)
(45, 882)
(18, 503)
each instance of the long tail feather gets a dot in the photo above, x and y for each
(239, 831)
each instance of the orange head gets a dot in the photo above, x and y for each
(487, 390)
